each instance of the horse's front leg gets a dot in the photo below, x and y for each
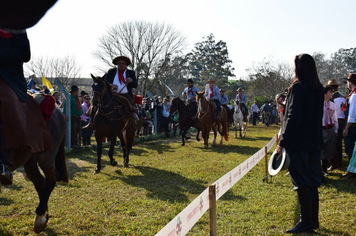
(111, 151)
(98, 153)
(235, 124)
(183, 134)
(198, 133)
(123, 146)
(241, 123)
(205, 134)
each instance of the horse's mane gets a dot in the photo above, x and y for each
(121, 100)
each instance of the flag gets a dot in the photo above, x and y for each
(48, 84)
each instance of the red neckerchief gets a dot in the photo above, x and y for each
(79, 105)
(345, 104)
(121, 77)
(240, 97)
(190, 90)
(211, 89)
(4, 34)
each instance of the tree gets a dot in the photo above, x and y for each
(269, 78)
(66, 69)
(210, 60)
(149, 46)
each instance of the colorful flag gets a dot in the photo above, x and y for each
(48, 84)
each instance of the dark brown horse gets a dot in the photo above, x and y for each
(185, 120)
(206, 114)
(51, 162)
(112, 119)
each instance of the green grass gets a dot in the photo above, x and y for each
(162, 180)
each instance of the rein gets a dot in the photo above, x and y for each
(106, 114)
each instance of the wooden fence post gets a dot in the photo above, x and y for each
(277, 139)
(266, 164)
(212, 209)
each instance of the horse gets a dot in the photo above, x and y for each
(239, 119)
(52, 163)
(206, 115)
(112, 119)
(185, 120)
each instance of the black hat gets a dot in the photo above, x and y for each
(190, 81)
(126, 59)
(83, 93)
(74, 88)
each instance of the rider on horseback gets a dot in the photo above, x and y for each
(20, 126)
(212, 93)
(189, 94)
(241, 97)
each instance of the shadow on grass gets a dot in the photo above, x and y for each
(50, 232)
(162, 184)
(5, 232)
(229, 149)
(5, 202)
(342, 185)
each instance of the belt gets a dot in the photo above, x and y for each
(329, 127)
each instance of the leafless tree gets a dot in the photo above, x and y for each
(269, 78)
(66, 69)
(146, 44)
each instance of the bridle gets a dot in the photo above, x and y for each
(204, 112)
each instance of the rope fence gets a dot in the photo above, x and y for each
(189, 216)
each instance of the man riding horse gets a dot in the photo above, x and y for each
(212, 93)
(189, 94)
(21, 121)
(241, 97)
(122, 82)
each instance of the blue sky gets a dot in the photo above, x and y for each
(252, 29)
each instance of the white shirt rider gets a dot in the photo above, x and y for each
(119, 84)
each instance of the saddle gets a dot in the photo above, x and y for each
(23, 123)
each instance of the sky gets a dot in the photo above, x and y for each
(252, 29)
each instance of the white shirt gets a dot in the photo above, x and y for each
(120, 85)
(332, 107)
(339, 103)
(165, 110)
(352, 109)
(254, 108)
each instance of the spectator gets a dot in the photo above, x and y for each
(339, 101)
(76, 112)
(254, 109)
(57, 98)
(267, 112)
(165, 117)
(86, 134)
(330, 127)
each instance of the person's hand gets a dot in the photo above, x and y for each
(66, 117)
(114, 87)
(345, 133)
(128, 80)
(279, 149)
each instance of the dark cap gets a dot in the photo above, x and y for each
(74, 88)
(190, 81)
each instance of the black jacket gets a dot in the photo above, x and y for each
(14, 51)
(302, 121)
(129, 73)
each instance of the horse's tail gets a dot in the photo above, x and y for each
(225, 128)
(61, 165)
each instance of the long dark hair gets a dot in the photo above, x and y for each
(305, 72)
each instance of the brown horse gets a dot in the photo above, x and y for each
(206, 114)
(51, 162)
(112, 119)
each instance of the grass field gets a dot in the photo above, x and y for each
(162, 180)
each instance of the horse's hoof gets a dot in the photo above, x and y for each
(97, 171)
(126, 165)
(40, 223)
(113, 163)
(235, 136)
(183, 144)
(198, 139)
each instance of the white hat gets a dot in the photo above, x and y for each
(278, 162)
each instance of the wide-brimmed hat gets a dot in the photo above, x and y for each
(239, 89)
(278, 162)
(190, 81)
(332, 82)
(211, 80)
(126, 59)
(221, 90)
(351, 77)
(74, 88)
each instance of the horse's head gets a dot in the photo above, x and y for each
(99, 86)
(174, 105)
(237, 106)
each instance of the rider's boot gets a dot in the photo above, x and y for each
(6, 164)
